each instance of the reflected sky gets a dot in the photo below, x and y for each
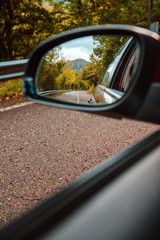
(78, 48)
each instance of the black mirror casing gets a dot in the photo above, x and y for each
(146, 79)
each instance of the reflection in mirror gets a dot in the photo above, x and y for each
(92, 70)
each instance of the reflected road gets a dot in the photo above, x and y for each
(75, 96)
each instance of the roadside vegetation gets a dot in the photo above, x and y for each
(10, 88)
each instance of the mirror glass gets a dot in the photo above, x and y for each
(97, 69)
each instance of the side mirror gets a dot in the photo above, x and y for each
(110, 70)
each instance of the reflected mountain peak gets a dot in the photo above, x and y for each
(78, 64)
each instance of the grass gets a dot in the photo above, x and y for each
(10, 87)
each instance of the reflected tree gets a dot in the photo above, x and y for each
(50, 68)
(106, 47)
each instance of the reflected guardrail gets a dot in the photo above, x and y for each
(50, 92)
(12, 69)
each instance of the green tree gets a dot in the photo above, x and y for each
(93, 12)
(23, 24)
(93, 72)
(106, 47)
(50, 69)
(65, 80)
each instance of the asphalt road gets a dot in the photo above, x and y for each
(75, 96)
(43, 148)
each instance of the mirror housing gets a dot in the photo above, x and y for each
(142, 100)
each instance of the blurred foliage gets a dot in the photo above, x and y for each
(10, 87)
(24, 23)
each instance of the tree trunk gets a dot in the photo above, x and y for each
(149, 12)
(7, 15)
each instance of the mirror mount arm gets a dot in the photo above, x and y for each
(29, 87)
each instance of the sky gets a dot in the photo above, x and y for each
(77, 48)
